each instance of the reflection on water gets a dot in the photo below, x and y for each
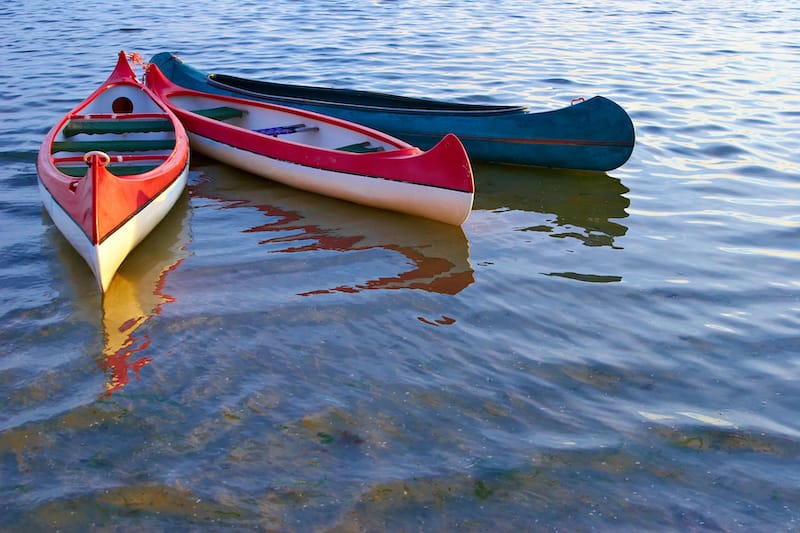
(586, 206)
(136, 294)
(569, 206)
(436, 255)
(590, 278)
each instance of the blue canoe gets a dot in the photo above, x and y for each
(595, 134)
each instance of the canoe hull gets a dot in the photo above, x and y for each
(445, 205)
(111, 169)
(596, 134)
(104, 258)
(436, 184)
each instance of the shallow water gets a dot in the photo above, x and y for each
(589, 351)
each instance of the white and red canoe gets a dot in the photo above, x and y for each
(111, 169)
(323, 154)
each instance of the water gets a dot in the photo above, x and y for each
(589, 352)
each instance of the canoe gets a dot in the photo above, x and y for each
(594, 134)
(323, 154)
(111, 169)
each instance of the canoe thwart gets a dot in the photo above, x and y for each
(361, 148)
(285, 130)
(220, 113)
(92, 126)
(113, 145)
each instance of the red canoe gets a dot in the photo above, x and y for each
(111, 169)
(324, 155)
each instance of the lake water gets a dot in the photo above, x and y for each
(613, 351)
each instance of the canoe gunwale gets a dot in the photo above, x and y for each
(399, 154)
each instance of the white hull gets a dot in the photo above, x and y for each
(105, 258)
(435, 203)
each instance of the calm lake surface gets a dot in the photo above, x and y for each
(613, 351)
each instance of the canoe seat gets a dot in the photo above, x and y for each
(220, 113)
(92, 126)
(285, 130)
(361, 148)
(119, 170)
(114, 145)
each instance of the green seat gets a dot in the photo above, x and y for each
(92, 126)
(361, 148)
(113, 145)
(220, 113)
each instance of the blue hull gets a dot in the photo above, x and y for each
(596, 134)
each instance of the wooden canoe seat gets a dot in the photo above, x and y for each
(119, 170)
(92, 126)
(285, 130)
(113, 145)
(220, 113)
(361, 148)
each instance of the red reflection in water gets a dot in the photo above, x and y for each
(433, 274)
(118, 364)
(136, 294)
(305, 222)
(444, 321)
(134, 297)
(439, 253)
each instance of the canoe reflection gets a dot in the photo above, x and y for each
(298, 221)
(587, 206)
(136, 294)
